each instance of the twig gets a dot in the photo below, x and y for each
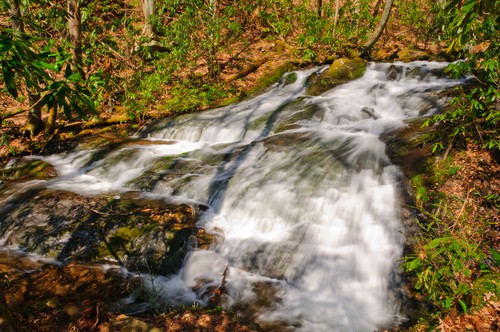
(448, 150)
(24, 110)
(462, 209)
(478, 132)
(9, 115)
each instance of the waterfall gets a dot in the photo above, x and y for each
(301, 195)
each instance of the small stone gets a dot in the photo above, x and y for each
(52, 303)
(72, 310)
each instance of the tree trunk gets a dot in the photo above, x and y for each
(34, 123)
(148, 7)
(50, 127)
(365, 48)
(336, 17)
(15, 16)
(212, 61)
(319, 5)
(357, 11)
(75, 36)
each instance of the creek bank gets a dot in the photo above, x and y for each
(43, 295)
(448, 195)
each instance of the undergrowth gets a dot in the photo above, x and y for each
(452, 265)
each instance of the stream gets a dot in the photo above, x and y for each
(297, 191)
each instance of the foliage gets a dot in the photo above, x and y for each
(416, 15)
(452, 266)
(451, 272)
(46, 72)
(194, 35)
(472, 28)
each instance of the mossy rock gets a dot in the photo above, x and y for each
(408, 55)
(341, 71)
(290, 78)
(140, 233)
(384, 55)
(99, 142)
(29, 170)
(225, 102)
(303, 114)
(268, 79)
(411, 147)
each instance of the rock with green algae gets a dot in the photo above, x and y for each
(141, 234)
(28, 169)
(408, 55)
(340, 71)
(272, 76)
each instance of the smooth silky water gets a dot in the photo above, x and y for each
(300, 194)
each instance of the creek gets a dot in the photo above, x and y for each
(296, 191)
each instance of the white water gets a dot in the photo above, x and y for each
(311, 211)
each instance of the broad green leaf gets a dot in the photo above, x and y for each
(436, 242)
(8, 77)
(463, 305)
(75, 77)
(46, 65)
(412, 265)
(5, 43)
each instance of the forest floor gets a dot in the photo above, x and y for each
(471, 176)
(251, 67)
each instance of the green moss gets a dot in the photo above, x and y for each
(290, 78)
(226, 102)
(33, 169)
(341, 71)
(269, 79)
(259, 122)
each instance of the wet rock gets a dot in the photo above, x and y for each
(290, 79)
(341, 71)
(410, 147)
(28, 169)
(204, 239)
(369, 112)
(408, 55)
(141, 234)
(299, 113)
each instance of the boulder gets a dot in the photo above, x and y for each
(141, 234)
(408, 55)
(340, 71)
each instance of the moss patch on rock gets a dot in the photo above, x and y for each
(141, 234)
(266, 80)
(340, 71)
(29, 170)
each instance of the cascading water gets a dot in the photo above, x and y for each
(299, 191)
